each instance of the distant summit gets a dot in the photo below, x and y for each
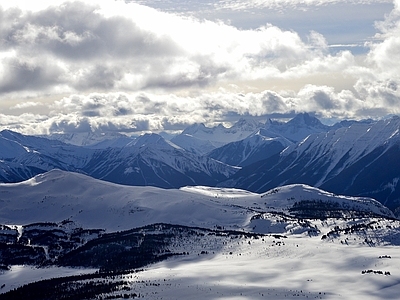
(200, 139)
(295, 130)
(84, 138)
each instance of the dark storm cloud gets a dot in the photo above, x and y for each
(274, 102)
(323, 100)
(22, 74)
(98, 76)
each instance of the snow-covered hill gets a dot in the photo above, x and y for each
(57, 196)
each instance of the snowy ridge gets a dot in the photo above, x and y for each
(300, 192)
(353, 142)
(119, 142)
(10, 149)
(359, 138)
(193, 144)
(298, 128)
(283, 199)
(57, 195)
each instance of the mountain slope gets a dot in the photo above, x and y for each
(256, 147)
(33, 155)
(146, 160)
(360, 160)
(151, 160)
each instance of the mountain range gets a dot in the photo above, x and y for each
(146, 160)
(260, 216)
(356, 158)
(359, 160)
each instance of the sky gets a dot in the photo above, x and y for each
(151, 65)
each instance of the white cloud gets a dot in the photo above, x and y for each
(24, 105)
(243, 4)
(127, 67)
(82, 47)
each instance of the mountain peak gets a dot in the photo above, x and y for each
(9, 134)
(192, 129)
(146, 139)
(305, 119)
(247, 125)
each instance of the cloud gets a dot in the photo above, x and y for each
(385, 55)
(25, 105)
(79, 46)
(112, 67)
(143, 111)
(243, 4)
(379, 80)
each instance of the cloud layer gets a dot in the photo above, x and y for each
(242, 4)
(111, 65)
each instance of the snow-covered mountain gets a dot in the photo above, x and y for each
(269, 140)
(151, 160)
(258, 146)
(66, 234)
(200, 139)
(85, 138)
(118, 142)
(298, 128)
(358, 160)
(146, 160)
(33, 155)
(248, 141)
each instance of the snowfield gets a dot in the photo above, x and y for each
(296, 268)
